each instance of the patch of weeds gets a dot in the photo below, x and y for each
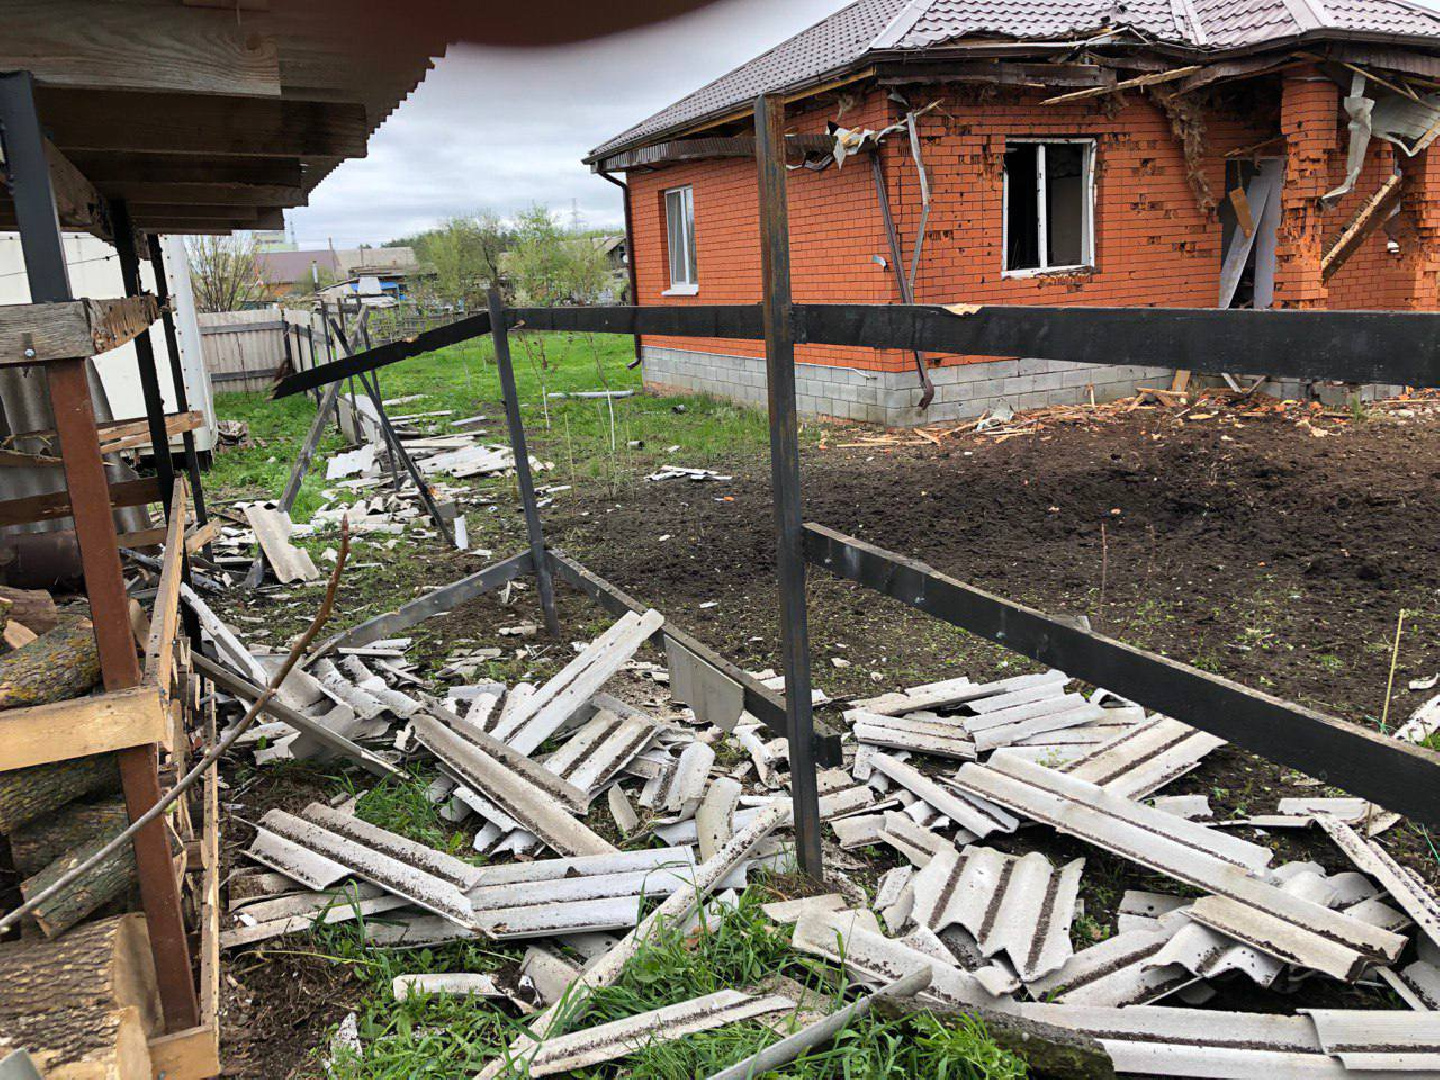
(455, 1036)
(400, 805)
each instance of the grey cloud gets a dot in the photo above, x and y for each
(500, 130)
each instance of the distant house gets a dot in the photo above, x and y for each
(289, 272)
(1176, 153)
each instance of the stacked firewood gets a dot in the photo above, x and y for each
(56, 815)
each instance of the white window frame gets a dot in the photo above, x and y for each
(1087, 231)
(682, 287)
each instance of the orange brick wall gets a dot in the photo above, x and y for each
(1153, 243)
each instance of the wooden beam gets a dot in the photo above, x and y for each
(996, 73)
(1151, 79)
(1393, 773)
(140, 194)
(69, 329)
(77, 204)
(41, 734)
(1371, 215)
(56, 504)
(165, 615)
(118, 435)
(154, 211)
(139, 45)
(202, 125)
(107, 167)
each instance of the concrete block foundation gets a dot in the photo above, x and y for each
(890, 398)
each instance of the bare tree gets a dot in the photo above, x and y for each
(225, 272)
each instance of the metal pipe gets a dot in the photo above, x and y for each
(145, 356)
(501, 338)
(785, 476)
(629, 258)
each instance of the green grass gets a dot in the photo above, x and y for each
(446, 1036)
(575, 436)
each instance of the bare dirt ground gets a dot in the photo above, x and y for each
(1247, 546)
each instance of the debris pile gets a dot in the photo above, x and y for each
(591, 809)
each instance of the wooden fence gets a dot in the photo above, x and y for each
(242, 349)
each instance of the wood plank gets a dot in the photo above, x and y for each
(202, 125)
(69, 329)
(1367, 219)
(1391, 772)
(165, 615)
(129, 167)
(192, 1054)
(63, 730)
(77, 204)
(197, 538)
(139, 45)
(180, 193)
(1150, 79)
(56, 504)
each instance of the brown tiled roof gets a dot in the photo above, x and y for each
(875, 27)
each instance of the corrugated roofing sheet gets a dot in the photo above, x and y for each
(888, 26)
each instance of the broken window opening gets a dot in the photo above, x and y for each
(1049, 206)
(680, 240)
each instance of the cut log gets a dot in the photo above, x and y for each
(26, 794)
(36, 844)
(82, 1044)
(112, 877)
(60, 664)
(33, 607)
(106, 964)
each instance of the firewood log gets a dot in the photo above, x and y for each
(83, 1006)
(94, 1043)
(36, 844)
(104, 963)
(26, 794)
(111, 878)
(60, 664)
(33, 607)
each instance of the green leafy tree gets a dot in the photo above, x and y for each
(550, 266)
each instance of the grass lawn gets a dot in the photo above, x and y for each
(588, 441)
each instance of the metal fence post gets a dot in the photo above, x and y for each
(785, 476)
(501, 337)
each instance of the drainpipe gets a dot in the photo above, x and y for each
(629, 258)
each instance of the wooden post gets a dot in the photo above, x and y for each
(88, 487)
(785, 476)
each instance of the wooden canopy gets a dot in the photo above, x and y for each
(212, 115)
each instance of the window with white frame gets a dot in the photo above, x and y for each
(680, 239)
(1049, 205)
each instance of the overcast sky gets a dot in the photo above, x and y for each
(497, 129)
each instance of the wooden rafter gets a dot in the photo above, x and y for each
(1151, 79)
(1367, 219)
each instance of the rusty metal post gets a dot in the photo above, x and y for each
(500, 336)
(785, 476)
(145, 355)
(89, 491)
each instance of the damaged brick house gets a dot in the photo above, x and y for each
(1171, 153)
